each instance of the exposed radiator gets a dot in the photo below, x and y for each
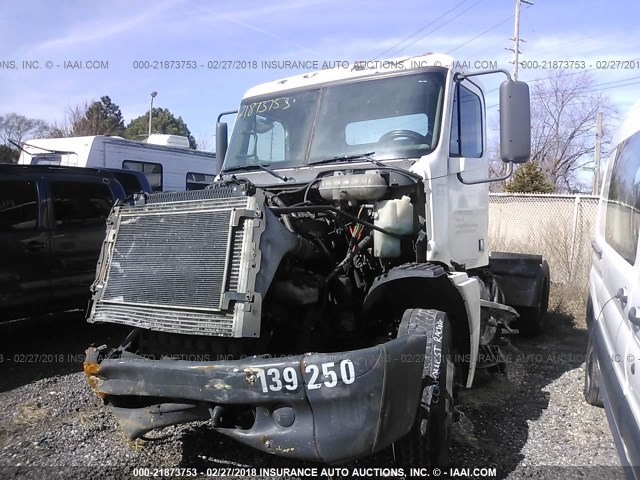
(183, 264)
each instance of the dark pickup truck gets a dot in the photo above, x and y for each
(52, 225)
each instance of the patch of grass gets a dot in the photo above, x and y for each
(136, 445)
(87, 418)
(568, 302)
(563, 241)
(30, 413)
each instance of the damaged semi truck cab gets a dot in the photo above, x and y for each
(324, 298)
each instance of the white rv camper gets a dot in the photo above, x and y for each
(165, 159)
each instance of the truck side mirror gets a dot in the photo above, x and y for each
(221, 144)
(515, 122)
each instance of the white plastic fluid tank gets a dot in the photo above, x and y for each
(396, 216)
(368, 186)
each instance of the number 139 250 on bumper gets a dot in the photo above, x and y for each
(324, 407)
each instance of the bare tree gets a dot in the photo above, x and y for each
(563, 121)
(73, 125)
(205, 142)
(100, 117)
(17, 128)
(497, 168)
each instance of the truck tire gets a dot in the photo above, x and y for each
(427, 443)
(532, 319)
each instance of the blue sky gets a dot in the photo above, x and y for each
(122, 32)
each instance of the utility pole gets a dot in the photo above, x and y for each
(516, 38)
(153, 94)
(596, 157)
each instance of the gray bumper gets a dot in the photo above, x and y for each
(339, 407)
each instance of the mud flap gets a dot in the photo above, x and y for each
(521, 277)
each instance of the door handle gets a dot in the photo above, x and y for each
(622, 297)
(34, 246)
(634, 317)
(596, 248)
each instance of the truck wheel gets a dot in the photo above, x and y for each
(592, 377)
(531, 321)
(427, 443)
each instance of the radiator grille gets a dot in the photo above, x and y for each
(170, 259)
(234, 269)
(220, 191)
(193, 323)
(179, 266)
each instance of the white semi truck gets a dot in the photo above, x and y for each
(327, 296)
(166, 160)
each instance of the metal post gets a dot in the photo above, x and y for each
(598, 152)
(516, 38)
(153, 94)
(516, 41)
(576, 210)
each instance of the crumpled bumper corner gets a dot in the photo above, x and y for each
(328, 407)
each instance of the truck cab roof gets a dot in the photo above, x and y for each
(355, 71)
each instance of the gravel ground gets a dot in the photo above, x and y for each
(529, 422)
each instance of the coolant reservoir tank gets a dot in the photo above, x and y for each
(396, 216)
(365, 186)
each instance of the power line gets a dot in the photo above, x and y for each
(591, 87)
(614, 81)
(569, 74)
(564, 45)
(480, 35)
(492, 28)
(601, 86)
(604, 88)
(421, 29)
(438, 27)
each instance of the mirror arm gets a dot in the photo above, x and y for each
(461, 76)
(230, 112)
(487, 180)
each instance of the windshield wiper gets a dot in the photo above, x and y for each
(257, 166)
(348, 158)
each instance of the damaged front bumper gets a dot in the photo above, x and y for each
(328, 407)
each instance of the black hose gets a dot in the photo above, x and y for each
(329, 208)
(364, 243)
(286, 219)
(324, 248)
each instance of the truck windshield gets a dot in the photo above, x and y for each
(396, 117)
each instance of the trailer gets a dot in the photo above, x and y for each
(166, 160)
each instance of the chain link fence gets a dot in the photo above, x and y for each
(558, 227)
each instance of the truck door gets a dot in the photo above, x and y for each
(24, 247)
(80, 207)
(615, 290)
(468, 205)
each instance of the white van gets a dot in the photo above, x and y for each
(164, 159)
(612, 376)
